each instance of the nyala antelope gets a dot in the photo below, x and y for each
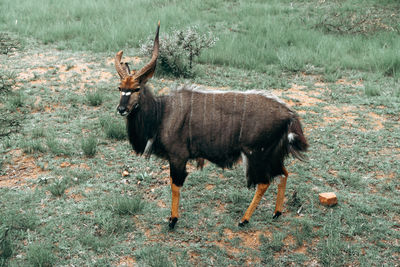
(220, 126)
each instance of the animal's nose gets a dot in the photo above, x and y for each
(121, 109)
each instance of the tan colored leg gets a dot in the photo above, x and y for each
(175, 204)
(261, 188)
(281, 194)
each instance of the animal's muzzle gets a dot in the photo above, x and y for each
(123, 111)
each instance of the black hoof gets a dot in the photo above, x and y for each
(276, 215)
(242, 224)
(172, 222)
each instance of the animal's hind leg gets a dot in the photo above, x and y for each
(261, 188)
(281, 194)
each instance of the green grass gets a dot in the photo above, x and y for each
(253, 35)
(85, 213)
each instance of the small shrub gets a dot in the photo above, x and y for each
(124, 205)
(7, 80)
(89, 146)
(20, 220)
(371, 90)
(94, 98)
(9, 122)
(392, 66)
(38, 132)
(236, 197)
(113, 129)
(99, 244)
(16, 100)
(58, 187)
(292, 59)
(40, 255)
(107, 224)
(56, 147)
(7, 43)
(153, 257)
(5, 246)
(33, 146)
(179, 49)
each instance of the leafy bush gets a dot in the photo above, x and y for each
(179, 49)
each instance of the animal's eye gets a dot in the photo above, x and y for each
(136, 90)
(119, 88)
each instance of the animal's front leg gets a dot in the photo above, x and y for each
(175, 204)
(281, 194)
(178, 175)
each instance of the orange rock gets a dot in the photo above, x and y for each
(125, 173)
(328, 199)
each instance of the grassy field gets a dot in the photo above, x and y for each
(65, 202)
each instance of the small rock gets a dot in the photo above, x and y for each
(125, 173)
(328, 199)
(65, 164)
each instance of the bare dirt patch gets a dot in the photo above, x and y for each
(127, 261)
(21, 169)
(299, 96)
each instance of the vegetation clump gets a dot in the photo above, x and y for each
(7, 44)
(89, 146)
(179, 49)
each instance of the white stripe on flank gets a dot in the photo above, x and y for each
(148, 147)
(190, 119)
(245, 163)
(265, 94)
(243, 117)
(291, 137)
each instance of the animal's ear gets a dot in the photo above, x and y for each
(121, 67)
(147, 75)
(127, 68)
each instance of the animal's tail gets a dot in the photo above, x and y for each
(297, 142)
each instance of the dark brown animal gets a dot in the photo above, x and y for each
(220, 126)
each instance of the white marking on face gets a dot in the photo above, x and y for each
(126, 93)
